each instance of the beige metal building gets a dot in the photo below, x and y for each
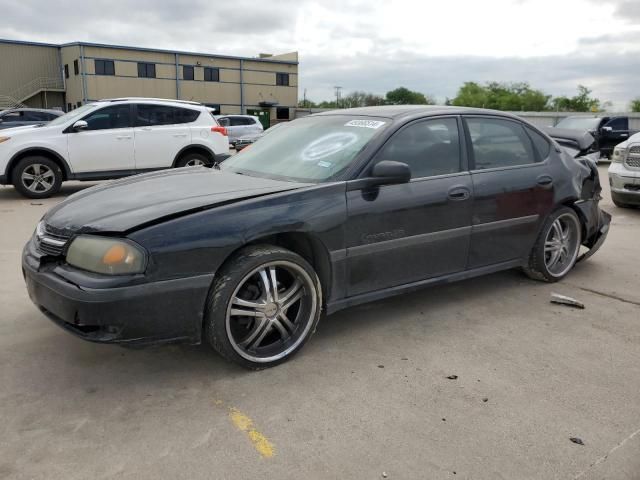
(66, 76)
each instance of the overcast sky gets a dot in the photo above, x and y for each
(430, 46)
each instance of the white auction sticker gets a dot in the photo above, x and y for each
(365, 123)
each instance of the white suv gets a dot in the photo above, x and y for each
(110, 139)
(240, 125)
(624, 173)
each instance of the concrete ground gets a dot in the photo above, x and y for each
(368, 397)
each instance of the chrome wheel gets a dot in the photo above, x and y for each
(271, 311)
(562, 244)
(195, 162)
(38, 178)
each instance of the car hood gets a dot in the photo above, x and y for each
(19, 129)
(632, 139)
(132, 202)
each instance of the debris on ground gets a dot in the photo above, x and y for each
(564, 300)
(36, 203)
(577, 440)
(384, 474)
(380, 366)
(452, 377)
(485, 399)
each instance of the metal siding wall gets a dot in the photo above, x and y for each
(22, 64)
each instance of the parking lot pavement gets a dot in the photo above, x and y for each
(368, 394)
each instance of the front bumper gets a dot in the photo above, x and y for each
(625, 183)
(149, 313)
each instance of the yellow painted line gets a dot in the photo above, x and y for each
(261, 443)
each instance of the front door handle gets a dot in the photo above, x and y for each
(458, 193)
(123, 137)
(545, 181)
(179, 134)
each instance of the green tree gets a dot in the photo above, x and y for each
(361, 99)
(582, 102)
(404, 96)
(306, 104)
(501, 96)
(635, 105)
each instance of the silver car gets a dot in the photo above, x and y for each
(239, 126)
(19, 117)
(624, 173)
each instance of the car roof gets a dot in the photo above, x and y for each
(400, 111)
(151, 100)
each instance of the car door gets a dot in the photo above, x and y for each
(404, 233)
(161, 132)
(615, 131)
(513, 188)
(106, 145)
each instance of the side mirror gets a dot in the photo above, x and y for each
(80, 125)
(388, 172)
(607, 129)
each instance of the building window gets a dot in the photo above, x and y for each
(76, 67)
(282, 79)
(282, 113)
(211, 74)
(147, 70)
(105, 67)
(78, 105)
(66, 71)
(187, 72)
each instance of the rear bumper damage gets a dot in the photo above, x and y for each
(597, 223)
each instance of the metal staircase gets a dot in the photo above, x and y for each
(16, 98)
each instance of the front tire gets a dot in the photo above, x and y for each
(37, 177)
(556, 249)
(264, 306)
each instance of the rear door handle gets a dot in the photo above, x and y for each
(458, 193)
(179, 134)
(545, 181)
(124, 137)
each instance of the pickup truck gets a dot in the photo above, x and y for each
(608, 131)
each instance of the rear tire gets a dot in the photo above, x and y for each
(37, 177)
(281, 296)
(556, 250)
(193, 160)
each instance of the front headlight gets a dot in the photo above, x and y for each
(4, 139)
(618, 155)
(110, 256)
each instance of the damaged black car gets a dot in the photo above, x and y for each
(328, 211)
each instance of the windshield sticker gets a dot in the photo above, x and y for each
(364, 123)
(324, 164)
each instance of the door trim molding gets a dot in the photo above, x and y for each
(509, 222)
(404, 242)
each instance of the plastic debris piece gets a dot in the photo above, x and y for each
(564, 300)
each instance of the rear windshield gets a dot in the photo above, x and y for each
(579, 123)
(311, 149)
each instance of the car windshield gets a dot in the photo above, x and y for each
(579, 123)
(311, 149)
(73, 114)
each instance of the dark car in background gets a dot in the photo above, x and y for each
(325, 212)
(607, 131)
(19, 117)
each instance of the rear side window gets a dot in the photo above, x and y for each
(429, 147)
(499, 143)
(238, 121)
(116, 116)
(152, 115)
(540, 143)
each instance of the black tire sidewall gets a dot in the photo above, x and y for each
(227, 279)
(182, 162)
(23, 164)
(537, 262)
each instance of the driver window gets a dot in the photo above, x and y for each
(429, 147)
(117, 116)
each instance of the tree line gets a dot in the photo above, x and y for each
(517, 96)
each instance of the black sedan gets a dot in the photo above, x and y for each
(328, 211)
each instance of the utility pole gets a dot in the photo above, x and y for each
(304, 98)
(338, 89)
